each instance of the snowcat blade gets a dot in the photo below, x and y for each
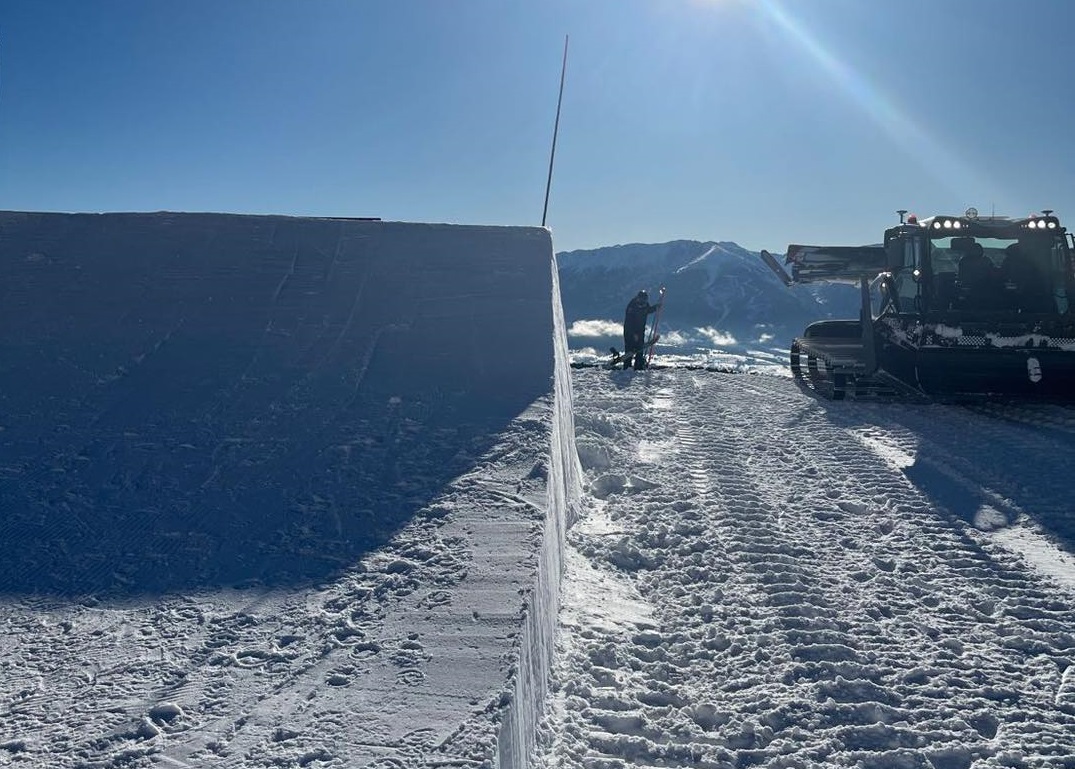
(836, 264)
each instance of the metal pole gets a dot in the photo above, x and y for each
(555, 131)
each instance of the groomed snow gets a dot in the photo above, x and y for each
(284, 492)
(759, 578)
(273, 494)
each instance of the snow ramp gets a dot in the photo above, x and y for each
(323, 466)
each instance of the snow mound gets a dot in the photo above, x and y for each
(277, 490)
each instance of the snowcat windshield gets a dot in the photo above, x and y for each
(1023, 274)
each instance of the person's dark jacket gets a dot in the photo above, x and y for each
(634, 321)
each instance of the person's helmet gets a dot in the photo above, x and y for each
(642, 294)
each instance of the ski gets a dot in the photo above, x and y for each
(620, 357)
(654, 336)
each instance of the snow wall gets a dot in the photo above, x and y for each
(191, 402)
(539, 633)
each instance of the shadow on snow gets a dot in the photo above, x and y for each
(193, 401)
(1000, 465)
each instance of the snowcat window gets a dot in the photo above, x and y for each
(906, 278)
(1023, 274)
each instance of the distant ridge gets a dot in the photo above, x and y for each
(711, 285)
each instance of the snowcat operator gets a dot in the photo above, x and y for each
(979, 278)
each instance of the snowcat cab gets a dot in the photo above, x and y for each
(953, 307)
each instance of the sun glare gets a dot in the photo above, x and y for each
(939, 160)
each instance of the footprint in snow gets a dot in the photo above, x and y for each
(593, 455)
(365, 650)
(605, 486)
(410, 676)
(435, 598)
(338, 680)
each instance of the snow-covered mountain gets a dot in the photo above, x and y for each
(720, 296)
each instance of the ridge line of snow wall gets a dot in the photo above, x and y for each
(518, 734)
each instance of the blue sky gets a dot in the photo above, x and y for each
(759, 121)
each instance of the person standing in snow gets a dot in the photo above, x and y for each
(634, 329)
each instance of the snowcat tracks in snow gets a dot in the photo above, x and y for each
(835, 371)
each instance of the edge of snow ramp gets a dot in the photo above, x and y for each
(537, 647)
(319, 417)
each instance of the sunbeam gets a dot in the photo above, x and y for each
(940, 161)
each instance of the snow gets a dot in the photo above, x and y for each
(327, 493)
(271, 496)
(762, 578)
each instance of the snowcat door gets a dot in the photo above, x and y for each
(906, 285)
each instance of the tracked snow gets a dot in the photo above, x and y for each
(802, 584)
(294, 492)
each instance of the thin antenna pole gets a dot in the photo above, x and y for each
(555, 131)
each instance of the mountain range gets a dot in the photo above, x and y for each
(720, 297)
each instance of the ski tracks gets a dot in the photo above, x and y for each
(811, 604)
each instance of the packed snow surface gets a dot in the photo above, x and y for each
(269, 496)
(760, 578)
(285, 492)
